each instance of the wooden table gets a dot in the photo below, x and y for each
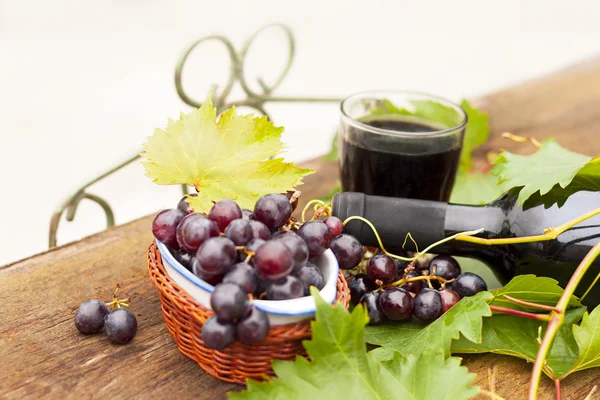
(42, 354)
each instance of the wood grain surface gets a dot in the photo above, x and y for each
(42, 354)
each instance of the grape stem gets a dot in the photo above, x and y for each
(518, 313)
(307, 206)
(417, 254)
(557, 318)
(591, 393)
(557, 388)
(427, 278)
(549, 233)
(590, 287)
(529, 304)
(491, 395)
(522, 139)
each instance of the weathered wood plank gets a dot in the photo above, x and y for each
(42, 354)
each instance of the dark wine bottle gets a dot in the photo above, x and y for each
(431, 221)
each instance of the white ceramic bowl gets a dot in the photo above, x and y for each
(279, 311)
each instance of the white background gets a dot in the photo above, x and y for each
(83, 83)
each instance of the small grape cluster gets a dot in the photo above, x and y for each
(262, 253)
(119, 323)
(395, 290)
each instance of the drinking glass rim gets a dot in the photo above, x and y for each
(366, 127)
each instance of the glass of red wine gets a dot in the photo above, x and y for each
(400, 144)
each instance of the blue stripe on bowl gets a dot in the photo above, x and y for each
(267, 306)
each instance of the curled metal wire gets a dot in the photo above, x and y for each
(254, 100)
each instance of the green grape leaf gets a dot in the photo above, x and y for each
(519, 337)
(415, 338)
(435, 111)
(587, 336)
(224, 159)
(475, 188)
(587, 178)
(476, 134)
(533, 289)
(340, 366)
(550, 175)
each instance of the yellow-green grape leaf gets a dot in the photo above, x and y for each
(549, 176)
(587, 336)
(224, 159)
(341, 368)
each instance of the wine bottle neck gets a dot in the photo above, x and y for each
(461, 218)
(392, 217)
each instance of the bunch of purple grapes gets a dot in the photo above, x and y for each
(418, 292)
(245, 254)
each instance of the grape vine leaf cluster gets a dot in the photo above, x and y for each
(575, 348)
(340, 365)
(549, 176)
(519, 337)
(224, 159)
(408, 338)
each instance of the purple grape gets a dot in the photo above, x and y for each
(396, 303)
(216, 256)
(247, 214)
(427, 305)
(218, 335)
(401, 266)
(347, 250)
(468, 284)
(360, 284)
(223, 212)
(273, 210)
(445, 267)
(284, 232)
(121, 326)
(370, 301)
(289, 287)
(382, 267)
(335, 225)
(90, 315)
(416, 286)
(244, 276)
(273, 260)
(310, 275)
(255, 244)
(260, 230)
(184, 258)
(193, 230)
(317, 237)
(449, 298)
(239, 231)
(253, 328)
(298, 248)
(184, 206)
(213, 280)
(164, 227)
(229, 301)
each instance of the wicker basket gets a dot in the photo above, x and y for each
(184, 318)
